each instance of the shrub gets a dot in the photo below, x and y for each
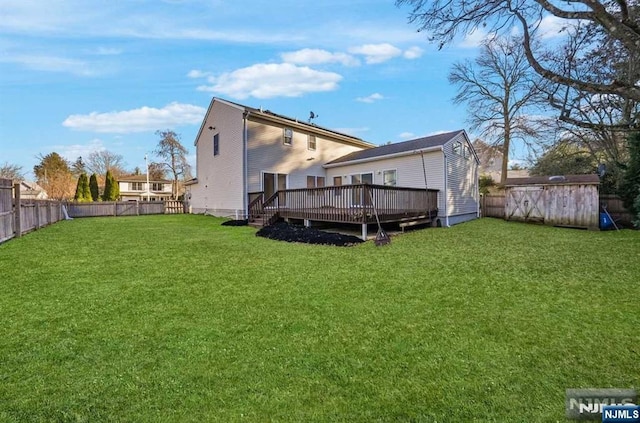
(82, 189)
(630, 186)
(111, 189)
(485, 182)
(93, 187)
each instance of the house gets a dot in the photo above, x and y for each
(243, 152)
(490, 158)
(135, 188)
(252, 162)
(32, 191)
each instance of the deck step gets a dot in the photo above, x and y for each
(413, 222)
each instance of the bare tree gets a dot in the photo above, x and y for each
(11, 171)
(99, 162)
(502, 95)
(607, 25)
(174, 155)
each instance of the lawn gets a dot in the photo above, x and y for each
(177, 318)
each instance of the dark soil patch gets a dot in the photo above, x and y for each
(235, 223)
(292, 233)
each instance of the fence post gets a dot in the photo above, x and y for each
(16, 210)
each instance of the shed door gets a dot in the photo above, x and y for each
(525, 203)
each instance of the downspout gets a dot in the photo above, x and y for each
(477, 191)
(245, 176)
(446, 190)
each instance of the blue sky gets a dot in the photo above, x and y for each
(78, 76)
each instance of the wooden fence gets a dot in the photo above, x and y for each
(492, 205)
(124, 208)
(18, 216)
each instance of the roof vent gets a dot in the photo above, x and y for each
(557, 178)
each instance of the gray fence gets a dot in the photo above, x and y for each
(124, 208)
(18, 216)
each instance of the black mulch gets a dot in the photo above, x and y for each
(235, 223)
(292, 233)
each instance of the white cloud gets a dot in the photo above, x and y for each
(196, 73)
(377, 53)
(309, 56)
(407, 135)
(137, 120)
(413, 53)
(73, 151)
(272, 80)
(475, 38)
(371, 98)
(47, 63)
(551, 26)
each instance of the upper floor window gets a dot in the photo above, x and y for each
(216, 144)
(467, 152)
(135, 186)
(287, 136)
(457, 148)
(157, 187)
(311, 142)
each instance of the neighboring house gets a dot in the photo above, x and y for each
(242, 152)
(491, 162)
(32, 191)
(245, 155)
(135, 188)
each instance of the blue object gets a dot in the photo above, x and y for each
(605, 221)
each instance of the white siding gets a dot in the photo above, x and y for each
(462, 180)
(267, 153)
(409, 172)
(220, 187)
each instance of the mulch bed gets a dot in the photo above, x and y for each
(293, 233)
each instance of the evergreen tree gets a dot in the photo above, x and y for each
(630, 187)
(93, 187)
(111, 189)
(82, 189)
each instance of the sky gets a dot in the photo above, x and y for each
(78, 76)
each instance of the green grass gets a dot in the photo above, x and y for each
(176, 318)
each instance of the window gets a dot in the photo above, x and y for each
(467, 152)
(311, 142)
(389, 177)
(216, 144)
(288, 136)
(315, 182)
(135, 186)
(157, 187)
(457, 148)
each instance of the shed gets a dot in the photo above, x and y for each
(570, 200)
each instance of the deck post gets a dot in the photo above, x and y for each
(364, 231)
(307, 223)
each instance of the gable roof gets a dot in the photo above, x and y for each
(282, 119)
(433, 141)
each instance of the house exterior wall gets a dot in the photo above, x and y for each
(409, 171)
(220, 187)
(462, 195)
(268, 153)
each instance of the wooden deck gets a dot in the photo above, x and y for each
(355, 204)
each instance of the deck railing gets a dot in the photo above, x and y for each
(350, 203)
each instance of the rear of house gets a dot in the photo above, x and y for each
(243, 153)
